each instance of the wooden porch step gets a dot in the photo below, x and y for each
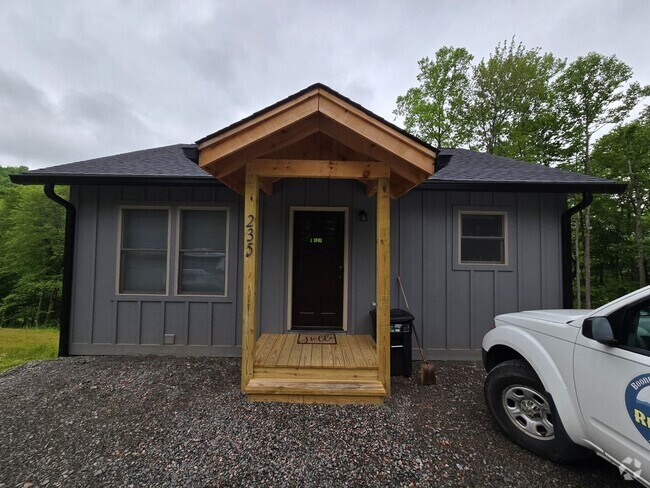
(271, 386)
(310, 374)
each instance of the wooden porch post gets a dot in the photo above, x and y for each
(249, 314)
(383, 281)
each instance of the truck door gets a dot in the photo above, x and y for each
(613, 388)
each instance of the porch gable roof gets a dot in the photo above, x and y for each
(253, 143)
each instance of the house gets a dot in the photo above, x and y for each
(295, 220)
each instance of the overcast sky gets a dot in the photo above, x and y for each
(82, 79)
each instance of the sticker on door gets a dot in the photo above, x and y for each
(637, 401)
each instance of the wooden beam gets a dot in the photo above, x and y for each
(373, 130)
(371, 187)
(249, 277)
(314, 168)
(266, 185)
(257, 129)
(283, 138)
(399, 186)
(360, 144)
(383, 282)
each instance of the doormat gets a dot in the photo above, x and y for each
(316, 338)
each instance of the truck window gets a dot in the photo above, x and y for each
(635, 331)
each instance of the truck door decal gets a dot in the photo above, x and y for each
(637, 402)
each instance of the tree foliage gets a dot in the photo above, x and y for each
(593, 91)
(512, 107)
(530, 105)
(31, 250)
(436, 109)
(622, 222)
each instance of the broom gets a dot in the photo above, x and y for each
(427, 373)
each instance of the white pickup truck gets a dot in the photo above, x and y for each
(563, 383)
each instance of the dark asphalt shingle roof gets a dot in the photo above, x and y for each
(464, 169)
(477, 167)
(166, 161)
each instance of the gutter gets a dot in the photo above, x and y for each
(68, 256)
(116, 180)
(567, 262)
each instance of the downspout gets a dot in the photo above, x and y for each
(567, 261)
(68, 256)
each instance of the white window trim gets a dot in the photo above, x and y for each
(178, 251)
(459, 237)
(118, 261)
(346, 245)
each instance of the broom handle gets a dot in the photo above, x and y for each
(401, 288)
(406, 302)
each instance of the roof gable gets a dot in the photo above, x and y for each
(316, 110)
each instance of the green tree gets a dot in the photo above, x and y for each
(32, 231)
(593, 91)
(512, 109)
(436, 109)
(5, 171)
(624, 154)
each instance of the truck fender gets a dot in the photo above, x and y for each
(546, 369)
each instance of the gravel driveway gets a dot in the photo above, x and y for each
(143, 421)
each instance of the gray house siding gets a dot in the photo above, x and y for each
(104, 322)
(454, 304)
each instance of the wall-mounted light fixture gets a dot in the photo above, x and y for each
(363, 216)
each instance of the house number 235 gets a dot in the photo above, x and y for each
(250, 235)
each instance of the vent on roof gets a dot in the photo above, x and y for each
(442, 160)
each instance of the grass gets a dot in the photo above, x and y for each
(17, 346)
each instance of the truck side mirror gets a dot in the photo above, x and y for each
(599, 329)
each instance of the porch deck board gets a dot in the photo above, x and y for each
(283, 350)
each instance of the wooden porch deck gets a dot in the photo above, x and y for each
(286, 371)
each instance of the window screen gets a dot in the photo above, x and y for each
(143, 252)
(482, 238)
(202, 254)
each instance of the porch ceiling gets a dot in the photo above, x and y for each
(317, 134)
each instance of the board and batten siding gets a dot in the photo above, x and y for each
(454, 305)
(104, 322)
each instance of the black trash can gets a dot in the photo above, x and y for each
(401, 352)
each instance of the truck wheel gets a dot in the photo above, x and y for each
(518, 401)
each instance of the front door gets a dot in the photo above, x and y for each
(318, 269)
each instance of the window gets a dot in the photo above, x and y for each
(632, 326)
(143, 251)
(482, 237)
(202, 251)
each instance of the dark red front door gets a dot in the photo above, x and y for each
(318, 269)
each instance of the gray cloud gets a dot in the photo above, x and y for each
(84, 79)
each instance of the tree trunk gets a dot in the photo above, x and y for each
(37, 318)
(587, 231)
(587, 255)
(577, 261)
(638, 237)
(50, 308)
(637, 195)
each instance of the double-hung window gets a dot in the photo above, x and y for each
(202, 256)
(143, 251)
(482, 237)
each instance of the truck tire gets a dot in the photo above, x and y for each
(526, 413)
